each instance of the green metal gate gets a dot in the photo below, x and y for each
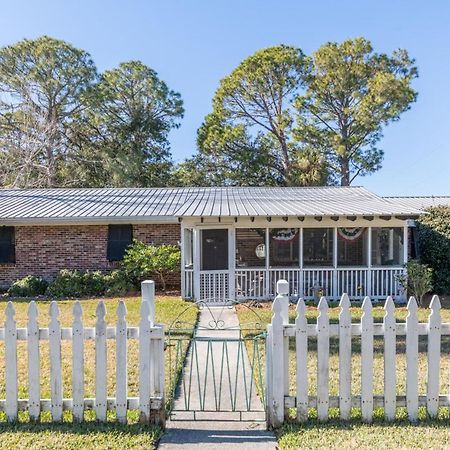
(216, 366)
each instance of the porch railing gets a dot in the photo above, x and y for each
(312, 283)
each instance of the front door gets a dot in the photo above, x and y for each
(215, 249)
(214, 277)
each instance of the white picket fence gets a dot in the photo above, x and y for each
(150, 402)
(277, 360)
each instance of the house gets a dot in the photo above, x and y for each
(236, 242)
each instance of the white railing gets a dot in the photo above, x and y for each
(354, 282)
(150, 402)
(385, 282)
(251, 284)
(310, 283)
(188, 283)
(277, 357)
(214, 286)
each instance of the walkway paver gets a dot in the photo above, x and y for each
(213, 430)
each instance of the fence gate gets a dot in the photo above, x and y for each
(216, 365)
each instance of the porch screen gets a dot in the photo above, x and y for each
(250, 247)
(352, 246)
(387, 246)
(284, 247)
(188, 249)
(317, 247)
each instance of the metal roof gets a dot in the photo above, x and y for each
(168, 204)
(421, 202)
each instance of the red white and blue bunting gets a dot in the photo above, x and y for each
(350, 234)
(285, 235)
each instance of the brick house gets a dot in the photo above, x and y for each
(235, 242)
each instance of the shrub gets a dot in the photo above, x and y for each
(434, 244)
(417, 280)
(30, 286)
(141, 261)
(68, 283)
(117, 283)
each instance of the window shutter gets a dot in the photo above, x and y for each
(7, 245)
(119, 238)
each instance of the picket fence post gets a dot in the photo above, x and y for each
(434, 355)
(412, 358)
(301, 350)
(389, 328)
(121, 363)
(78, 363)
(100, 363)
(56, 387)
(323, 356)
(367, 361)
(275, 402)
(345, 358)
(34, 385)
(144, 364)
(11, 406)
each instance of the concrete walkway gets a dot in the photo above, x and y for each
(217, 384)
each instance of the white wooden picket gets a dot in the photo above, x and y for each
(344, 331)
(150, 402)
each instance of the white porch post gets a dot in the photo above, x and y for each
(196, 265)
(301, 292)
(267, 277)
(231, 263)
(405, 252)
(336, 294)
(369, 262)
(183, 264)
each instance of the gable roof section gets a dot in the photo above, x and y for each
(168, 204)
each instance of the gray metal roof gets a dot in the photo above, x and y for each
(421, 202)
(167, 204)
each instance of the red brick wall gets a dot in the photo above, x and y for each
(44, 250)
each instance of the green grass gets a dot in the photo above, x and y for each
(89, 434)
(354, 434)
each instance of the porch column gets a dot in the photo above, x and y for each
(301, 289)
(196, 257)
(267, 277)
(336, 294)
(183, 275)
(405, 253)
(231, 263)
(369, 262)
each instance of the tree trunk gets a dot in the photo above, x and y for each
(345, 173)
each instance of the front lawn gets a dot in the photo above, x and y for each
(354, 434)
(87, 435)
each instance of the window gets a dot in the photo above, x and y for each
(317, 247)
(250, 247)
(284, 251)
(7, 245)
(352, 246)
(119, 238)
(387, 246)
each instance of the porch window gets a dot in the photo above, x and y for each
(317, 247)
(188, 248)
(250, 247)
(284, 247)
(387, 246)
(7, 245)
(352, 246)
(119, 238)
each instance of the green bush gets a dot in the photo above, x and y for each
(77, 283)
(118, 284)
(30, 286)
(417, 280)
(434, 245)
(142, 261)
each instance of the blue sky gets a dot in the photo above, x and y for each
(193, 44)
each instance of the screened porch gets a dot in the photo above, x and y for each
(233, 261)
